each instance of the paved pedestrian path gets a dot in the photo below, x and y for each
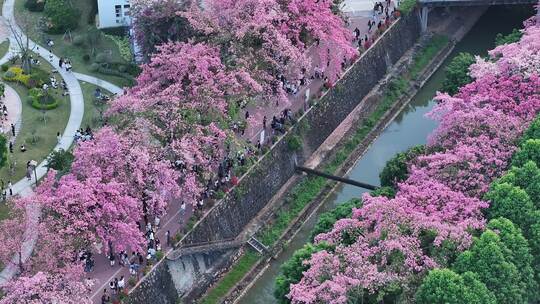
(100, 83)
(13, 103)
(75, 94)
(24, 186)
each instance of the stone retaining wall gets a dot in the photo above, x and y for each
(229, 217)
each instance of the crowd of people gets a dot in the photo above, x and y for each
(82, 135)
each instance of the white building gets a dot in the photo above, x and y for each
(113, 13)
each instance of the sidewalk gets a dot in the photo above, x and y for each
(24, 186)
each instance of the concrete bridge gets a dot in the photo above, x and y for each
(426, 5)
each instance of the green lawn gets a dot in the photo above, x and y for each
(65, 48)
(4, 48)
(37, 134)
(92, 115)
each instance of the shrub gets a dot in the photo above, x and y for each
(60, 161)
(79, 40)
(9, 76)
(457, 73)
(102, 58)
(407, 6)
(396, 169)
(3, 151)
(35, 5)
(122, 69)
(86, 58)
(294, 143)
(5, 67)
(514, 36)
(94, 67)
(38, 100)
(62, 16)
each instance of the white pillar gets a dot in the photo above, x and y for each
(424, 18)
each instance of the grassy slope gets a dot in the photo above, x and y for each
(64, 48)
(91, 112)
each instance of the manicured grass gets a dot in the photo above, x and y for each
(4, 214)
(241, 267)
(34, 127)
(92, 117)
(64, 48)
(4, 47)
(308, 189)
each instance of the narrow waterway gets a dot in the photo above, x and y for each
(410, 128)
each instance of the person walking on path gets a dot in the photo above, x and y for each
(10, 186)
(12, 129)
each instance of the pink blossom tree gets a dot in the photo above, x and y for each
(46, 288)
(130, 161)
(93, 211)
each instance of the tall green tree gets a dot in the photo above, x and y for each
(62, 15)
(396, 170)
(493, 262)
(529, 151)
(443, 286)
(518, 252)
(533, 131)
(510, 202)
(457, 73)
(526, 177)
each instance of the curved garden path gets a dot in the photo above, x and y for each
(24, 186)
(100, 83)
(75, 94)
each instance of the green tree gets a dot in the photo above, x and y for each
(396, 170)
(526, 177)
(60, 161)
(384, 191)
(533, 131)
(457, 73)
(510, 202)
(529, 151)
(62, 16)
(291, 271)
(35, 5)
(328, 219)
(518, 253)
(492, 261)
(514, 36)
(447, 287)
(533, 237)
